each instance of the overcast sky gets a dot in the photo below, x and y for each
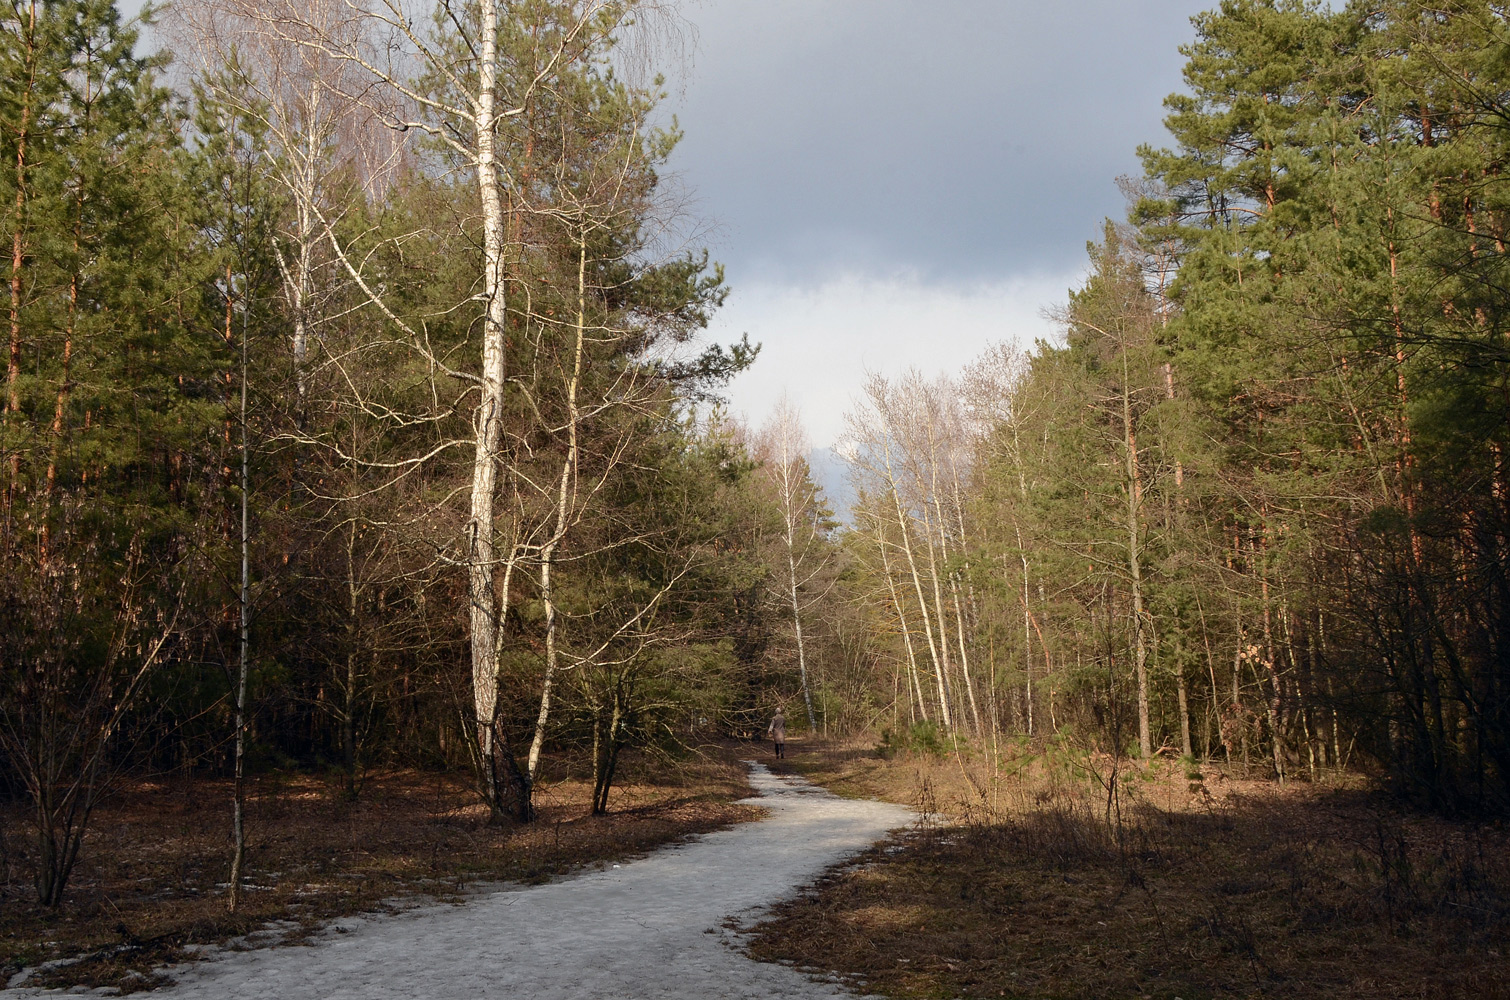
(896, 183)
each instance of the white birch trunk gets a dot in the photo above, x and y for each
(943, 533)
(917, 583)
(959, 613)
(564, 491)
(940, 619)
(896, 602)
(487, 418)
(959, 514)
(305, 185)
(788, 434)
(1027, 633)
(807, 698)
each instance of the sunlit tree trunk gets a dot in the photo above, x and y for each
(487, 418)
(896, 602)
(1134, 526)
(785, 446)
(943, 536)
(565, 487)
(18, 256)
(917, 583)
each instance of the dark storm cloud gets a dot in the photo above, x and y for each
(954, 139)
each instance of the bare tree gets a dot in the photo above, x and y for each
(66, 699)
(466, 86)
(874, 442)
(782, 448)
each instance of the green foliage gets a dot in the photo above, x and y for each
(1276, 423)
(923, 737)
(111, 409)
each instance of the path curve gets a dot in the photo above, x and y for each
(648, 928)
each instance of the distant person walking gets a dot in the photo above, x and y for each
(777, 731)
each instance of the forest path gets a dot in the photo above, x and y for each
(648, 928)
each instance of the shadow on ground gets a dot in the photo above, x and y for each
(1276, 892)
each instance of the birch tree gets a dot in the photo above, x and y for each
(783, 448)
(595, 386)
(466, 84)
(874, 441)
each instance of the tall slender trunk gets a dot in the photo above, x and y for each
(487, 423)
(940, 619)
(1183, 696)
(349, 694)
(1135, 561)
(18, 256)
(807, 698)
(565, 489)
(943, 533)
(60, 402)
(896, 602)
(243, 617)
(606, 744)
(1336, 727)
(1407, 460)
(1301, 705)
(1276, 692)
(896, 694)
(792, 486)
(1027, 614)
(1211, 669)
(917, 583)
(228, 334)
(959, 513)
(299, 296)
(302, 279)
(1174, 520)
(959, 614)
(964, 659)
(1237, 704)
(1027, 634)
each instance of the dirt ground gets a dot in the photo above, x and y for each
(1188, 882)
(151, 881)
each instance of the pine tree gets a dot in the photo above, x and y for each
(110, 407)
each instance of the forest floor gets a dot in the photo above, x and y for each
(667, 925)
(1191, 882)
(150, 886)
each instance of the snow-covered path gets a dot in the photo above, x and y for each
(651, 928)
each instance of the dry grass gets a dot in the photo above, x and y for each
(1207, 887)
(151, 882)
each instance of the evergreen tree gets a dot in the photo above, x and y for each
(111, 410)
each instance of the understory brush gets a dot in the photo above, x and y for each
(1052, 873)
(151, 884)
